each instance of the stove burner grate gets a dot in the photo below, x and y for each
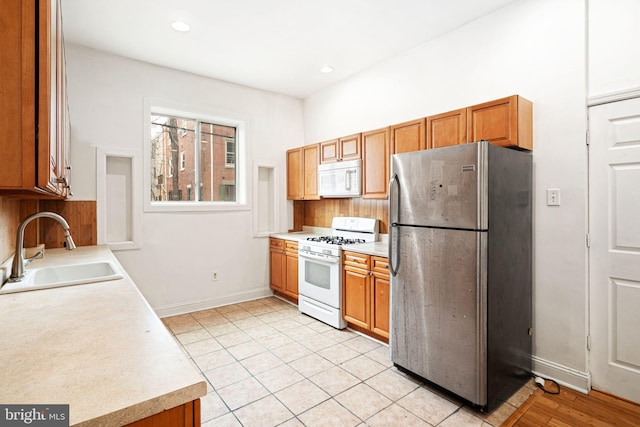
(335, 240)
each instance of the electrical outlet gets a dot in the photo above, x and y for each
(214, 276)
(553, 197)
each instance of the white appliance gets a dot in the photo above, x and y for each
(320, 267)
(340, 179)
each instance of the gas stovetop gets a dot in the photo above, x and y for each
(346, 231)
(335, 240)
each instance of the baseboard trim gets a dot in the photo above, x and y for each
(568, 377)
(191, 306)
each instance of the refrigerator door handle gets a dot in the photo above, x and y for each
(393, 220)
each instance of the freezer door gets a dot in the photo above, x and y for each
(438, 309)
(443, 187)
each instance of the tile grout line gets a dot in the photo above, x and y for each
(287, 315)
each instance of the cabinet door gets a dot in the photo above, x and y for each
(350, 147)
(355, 297)
(278, 268)
(310, 155)
(375, 164)
(187, 415)
(380, 304)
(30, 76)
(291, 282)
(294, 174)
(329, 151)
(50, 100)
(447, 129)
(506, 122)
(409, 136)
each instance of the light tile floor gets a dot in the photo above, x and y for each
(266, 364)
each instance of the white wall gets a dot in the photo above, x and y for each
(614, 50)
(532, 48)
(179, 250)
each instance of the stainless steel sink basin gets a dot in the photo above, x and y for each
(66, 275)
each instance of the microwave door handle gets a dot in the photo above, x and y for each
(394, 213)
(348, 179)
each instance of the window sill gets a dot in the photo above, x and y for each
(195, 207)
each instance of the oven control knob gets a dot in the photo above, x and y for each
(326, 251)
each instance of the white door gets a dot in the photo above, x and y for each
(614, 199)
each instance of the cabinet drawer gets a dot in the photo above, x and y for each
(277, 244)
(291, 246)
(356, 260)
(380, 264)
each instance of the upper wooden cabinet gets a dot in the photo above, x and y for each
(294, 174)
(447, 128)
(310, 182)
(507, 122)
(375, 163)
(34, 123)
(345, 148)
(302, 173)
(408, 136)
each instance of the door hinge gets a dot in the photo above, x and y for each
(589, 342)
(588, 240)
(588, 137)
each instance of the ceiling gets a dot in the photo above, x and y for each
(274, 45)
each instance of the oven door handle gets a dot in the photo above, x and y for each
(319, 258)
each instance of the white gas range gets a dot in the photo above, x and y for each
(320, 267)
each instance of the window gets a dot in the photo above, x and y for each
(193, 162)
(230, 152)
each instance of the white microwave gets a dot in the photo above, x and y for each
(340, 179)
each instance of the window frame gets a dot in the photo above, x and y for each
(183, 160)
(226, 153)
(203, 114)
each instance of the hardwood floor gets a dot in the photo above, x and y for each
(573, 409)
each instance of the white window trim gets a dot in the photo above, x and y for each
(204, 113)
(183, 160)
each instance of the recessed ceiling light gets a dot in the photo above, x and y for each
(326, 69)
(180, 26)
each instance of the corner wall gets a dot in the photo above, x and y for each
(179, 250)
(532, 48)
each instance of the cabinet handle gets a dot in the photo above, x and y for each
(63, 181)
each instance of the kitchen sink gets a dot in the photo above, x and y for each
(66, 275)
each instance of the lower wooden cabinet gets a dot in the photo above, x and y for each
(187, 415)
(365, 294)
(284, 268)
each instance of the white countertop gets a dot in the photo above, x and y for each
(380, 249)
(98, 347)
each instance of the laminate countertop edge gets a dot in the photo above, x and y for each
(98, 347)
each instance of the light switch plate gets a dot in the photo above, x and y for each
(553, 197)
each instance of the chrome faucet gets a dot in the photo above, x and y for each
(17, 269)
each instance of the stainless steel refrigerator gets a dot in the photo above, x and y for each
(461, 263)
